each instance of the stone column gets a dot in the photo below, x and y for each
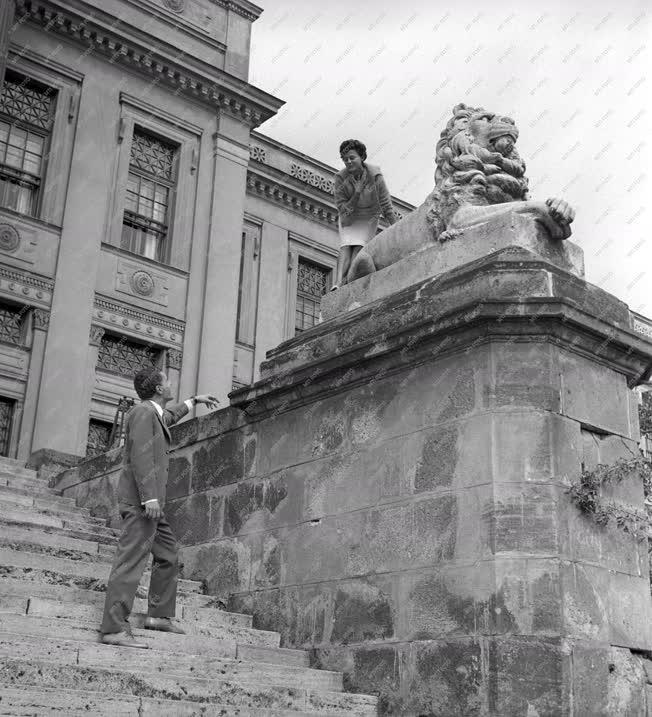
(231, 157)
(61, 421)
(94, 340)
(40, 323)
(173, 368)
(7, 16)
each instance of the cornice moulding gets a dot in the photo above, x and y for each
(291, 198)
(218, 89)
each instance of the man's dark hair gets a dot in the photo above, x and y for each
(146, 381)
(356, 145)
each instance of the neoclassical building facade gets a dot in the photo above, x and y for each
(143, 219)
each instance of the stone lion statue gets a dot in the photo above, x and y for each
(479, 177)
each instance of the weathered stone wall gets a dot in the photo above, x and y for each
(392, 496)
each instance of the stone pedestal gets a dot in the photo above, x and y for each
(406, 514)
(392, 495)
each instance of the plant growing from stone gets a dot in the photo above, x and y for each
(586, 494)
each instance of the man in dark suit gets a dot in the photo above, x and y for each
(141, 498)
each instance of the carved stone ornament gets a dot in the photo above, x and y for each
(174, 359)
(9, 238)
(142, 283)
(41, 319)
(97, 332)
(175, 5)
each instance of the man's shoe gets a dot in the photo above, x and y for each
(123, 639)
(164, 624)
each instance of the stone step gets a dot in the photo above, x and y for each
(64, 593)
(21, 516)
(191, 607)
(92, 614)
(40, 489)
(23, 701)
(45, 493)
(50, 504)
(18, 470)
(70, 652)
(72, 513)
(65, 629)
(45, 568)
(40, 673)
(23, 478)
(28, 536)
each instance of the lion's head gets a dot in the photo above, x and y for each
(477, 163)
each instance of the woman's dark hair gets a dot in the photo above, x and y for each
(356, 145)
(146, 381)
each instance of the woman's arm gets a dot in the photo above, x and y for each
(345, 205)
(385, 200)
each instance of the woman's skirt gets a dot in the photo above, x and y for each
(358, 233)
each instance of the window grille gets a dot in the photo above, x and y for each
(26, 115)
(312, 282)
(150, 186)
(6, 418)
(11, 324)
(99, 434)
(119, 355)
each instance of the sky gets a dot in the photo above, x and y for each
(573, 75)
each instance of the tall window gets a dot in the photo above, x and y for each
(11, 323)
(26, 116)
(99, 433)
(312, 283)
(248, 287)
(6, 418)
(120, 355)
(150, 188)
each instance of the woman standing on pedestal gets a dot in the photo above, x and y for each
(361, 196)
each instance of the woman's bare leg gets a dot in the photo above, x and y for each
(353, 253)
(344, 264)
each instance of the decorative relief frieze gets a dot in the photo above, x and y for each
(20, 244)
(41, 319)
(292, 200)
(642, 326)
(305, 174)
(96, 334)
(137, 323)
(9, 238)
(132, 279)
(175, 5)
(257, 153)
(142, 283)
(174, 358)
(123, 50)
(24, 287)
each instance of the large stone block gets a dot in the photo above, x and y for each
(529, 676)
(196, 518)
(594, 395)
(225, 459)
(522, 374)
(440, 257)
(224, 566)
(443, 679)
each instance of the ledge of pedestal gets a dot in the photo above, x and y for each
(439, 258)
(512, 295)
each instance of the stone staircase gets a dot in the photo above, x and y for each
(54, 562)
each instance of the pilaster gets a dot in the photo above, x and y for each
(220, 301)
(40, 324)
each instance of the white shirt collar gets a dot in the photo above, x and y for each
(159, 410)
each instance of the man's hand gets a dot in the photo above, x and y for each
(207, 399)
(153, 510)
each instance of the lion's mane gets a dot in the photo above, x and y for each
(468, 173)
